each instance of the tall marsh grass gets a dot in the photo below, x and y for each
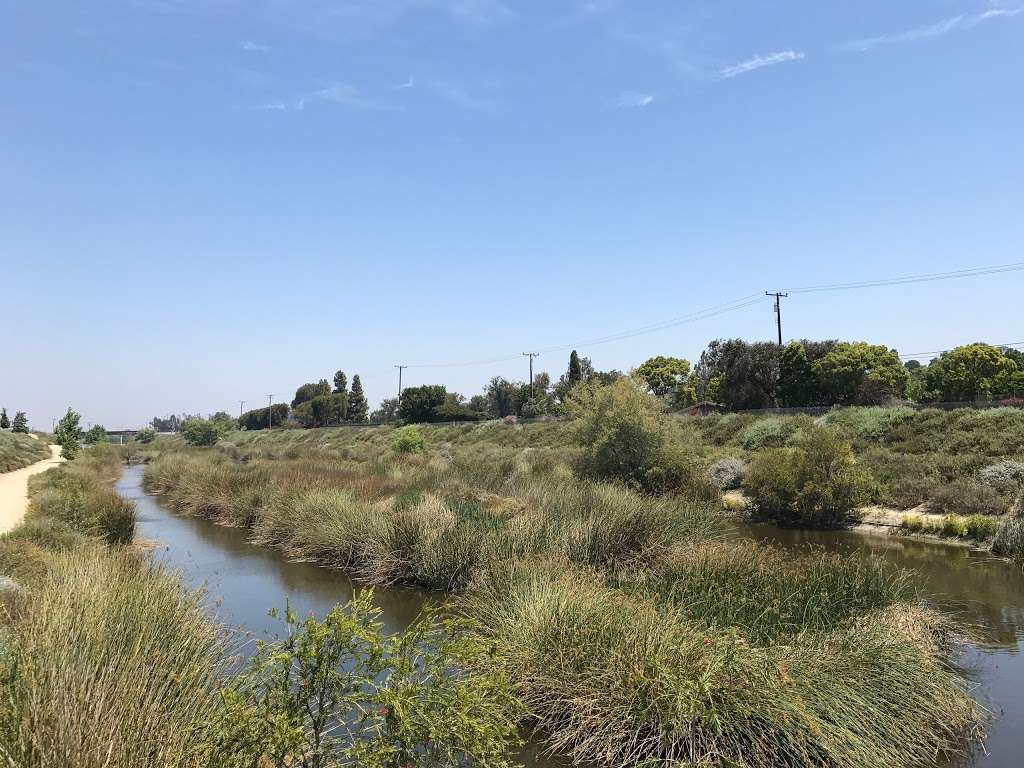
(618, 679)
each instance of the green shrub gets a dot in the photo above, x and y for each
(913, 523)
(624, 436)
(1005, 475)
(868, 424)
(815, 484)
(200, 432)
(954, 525)
(409, 439)
(146, 435)
(982, 527)
(967, 497)
(401, 704)
(768, 432)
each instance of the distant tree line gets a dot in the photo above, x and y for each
(749, 375)
(736, 374)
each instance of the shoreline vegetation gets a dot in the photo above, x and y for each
(592, 569)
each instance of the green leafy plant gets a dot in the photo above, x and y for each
(409, 439)
(146, 435)
(814, 484)
(339, 692)
(69, 434)
(200, 432)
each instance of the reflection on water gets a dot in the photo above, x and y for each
(245, 581)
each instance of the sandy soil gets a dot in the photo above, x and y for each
(14, 489)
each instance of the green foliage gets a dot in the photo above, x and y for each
(5, 423)
(69, 434)
(387, 412)
(340, 382)
(624, 436)
(96, 434)
(200, 432)
(663, 375)
(740, 374)
(146, 435)
(418, 404)
(20, 423)
(257, 419)
(768, 432)
(861, 374)
(1006, 475)
(816, 484)
(869, 425)
(400, 697)
(307, 392)
(409, 439)
(970, 372)
(358, 408)
(798, 384)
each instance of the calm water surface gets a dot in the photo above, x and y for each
(244, 581)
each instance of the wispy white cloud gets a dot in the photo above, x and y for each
(460, 97)
(759, 62)
(410, 83)
(629, 99)
(253, 47)
(340, 94)
(938, 29)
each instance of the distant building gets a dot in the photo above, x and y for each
(705, 408)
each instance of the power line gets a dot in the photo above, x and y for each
(914, 355)
(924, 278)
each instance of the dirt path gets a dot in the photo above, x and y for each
(14, 489)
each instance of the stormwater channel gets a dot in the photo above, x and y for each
(244, 581)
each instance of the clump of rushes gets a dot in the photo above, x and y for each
(770, 592)
(618, 679)
(109, 664)
(417, 521)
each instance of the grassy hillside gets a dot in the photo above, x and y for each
(914, 456)
(19, 450)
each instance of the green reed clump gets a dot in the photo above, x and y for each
(75, 496)
(770, 592)
(110, 665)
(427, 520)
(618, 679)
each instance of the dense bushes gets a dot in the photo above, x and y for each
(409, 439)
(1009, 539)
(76, 495)
(625, 437)
(815, 484)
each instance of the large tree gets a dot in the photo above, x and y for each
(971, 371)
(419, 403)
(859, 373)
(358, 408)
(663, 375)
(307, 392)
(20, 423)
(739, 374)
(503, 396)
(69, 434)
(575, 373)
(5, 423)
(387, 411)
(340, 382)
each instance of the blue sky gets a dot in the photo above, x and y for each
(206, 201)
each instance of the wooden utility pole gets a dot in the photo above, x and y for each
(778, 310)
(531, 355)
(400, 369)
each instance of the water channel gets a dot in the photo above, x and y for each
(244, 581)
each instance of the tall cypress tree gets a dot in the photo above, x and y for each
(575, 370)
(340, 382)
(5, 423)
(358, 408)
